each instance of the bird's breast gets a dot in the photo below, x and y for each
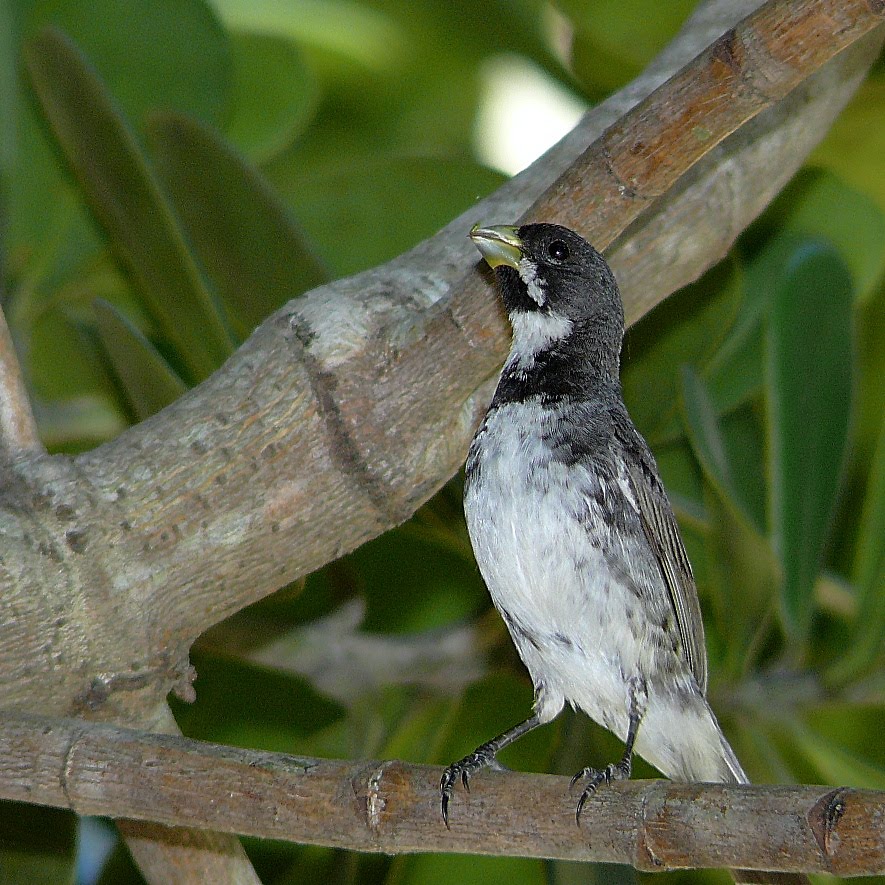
(545, 550)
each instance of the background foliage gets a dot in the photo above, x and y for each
(169, 178)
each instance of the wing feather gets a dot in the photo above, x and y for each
(663, 536)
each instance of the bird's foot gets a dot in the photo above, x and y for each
(482, 757)
(595, 777)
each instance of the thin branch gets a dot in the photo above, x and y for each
(393, 807)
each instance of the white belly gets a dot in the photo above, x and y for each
(547, 574)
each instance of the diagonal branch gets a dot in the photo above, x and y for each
(393, 807)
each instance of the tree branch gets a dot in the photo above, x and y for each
(393, 807)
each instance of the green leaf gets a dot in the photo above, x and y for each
(869, 575)
(251, 248)
(37, 845)
(809, 371)
(149, 381)
(73, 425)
(51, 233)
(705, 437)
(352, 30)
(615, 39)
(466, 869)
(371, 209)
(854, 147)
(172, 54)
(819, 205)
(64, 359)
(685, 329)
(743, 576)
(836, 764)
(275, 70)
(8, 95)
(275, 711)
(127, 201)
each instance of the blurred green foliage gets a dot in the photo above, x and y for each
(168, 178)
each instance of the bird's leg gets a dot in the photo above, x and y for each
(482, 757)
(615, 771)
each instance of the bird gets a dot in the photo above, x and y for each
(573, 532)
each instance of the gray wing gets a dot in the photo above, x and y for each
(663, 536)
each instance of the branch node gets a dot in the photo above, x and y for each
(67, 765)
(824, 817)
(375, 801)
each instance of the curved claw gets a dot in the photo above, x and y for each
(613, 772)
(580, 775)
(444, 807)
(480, 758)
(596, 778)
(585, 795)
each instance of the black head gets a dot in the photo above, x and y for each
(556, 288)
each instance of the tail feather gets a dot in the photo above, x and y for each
(738, 775)
(697, 750)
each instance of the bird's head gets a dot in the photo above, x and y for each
(555, 287)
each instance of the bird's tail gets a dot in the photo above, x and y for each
(687, 744)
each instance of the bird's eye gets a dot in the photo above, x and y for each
(558, 250)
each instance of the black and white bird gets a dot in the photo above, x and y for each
(572, 529)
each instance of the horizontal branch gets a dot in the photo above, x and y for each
(393, 807)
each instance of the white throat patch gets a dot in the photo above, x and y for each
(529, 275)
(534, 332)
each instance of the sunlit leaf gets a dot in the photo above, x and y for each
(78, 423)
(250, 246)
(127, 201)
(809, 371)
(149, 381)
(353, 30)
(274, 69)
(370, 210)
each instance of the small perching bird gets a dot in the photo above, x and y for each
(572, 529)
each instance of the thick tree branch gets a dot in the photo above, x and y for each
(393, 807)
